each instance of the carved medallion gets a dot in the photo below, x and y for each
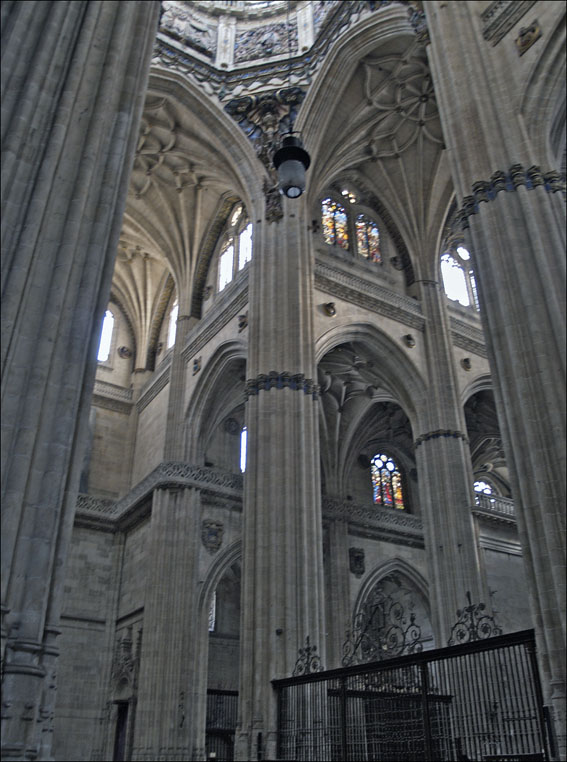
(356, 559)
(211, 534)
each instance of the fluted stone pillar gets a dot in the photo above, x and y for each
(516, 229)
(165, 705)
(337, 575)
(282, 568)
(445, 477)
(74, 77)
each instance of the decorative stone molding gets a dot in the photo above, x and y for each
(106, 389)
(216, 319)
(500, 16)
(266, 41)
(468, 337)
(102, 505)
(155, 387)
(382, 523)
(284, 380)
(368, 295)
(274, 209)
(438, 433)
(486, 190)
(118, 406)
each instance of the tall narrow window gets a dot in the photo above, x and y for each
(454, 280)
(225, 266)
(245, 246)
(386, 482)
(105, 336)
(368, 239)
(172, 329)
(243, 444)
(335, 224)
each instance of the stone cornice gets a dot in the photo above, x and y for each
(156, 384)
(380, 523)
(487, 190)
(501, 16)
(107, 514)
(468, 337)
(283, 380)
(112, 397)
(438, 434)
(369, 295)
(215, 320)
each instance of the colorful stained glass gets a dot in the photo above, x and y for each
(348, 196)
(386, 482)
(368, 239)
(335, 223)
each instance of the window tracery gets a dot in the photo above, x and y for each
(458, 277)
(350, 228)
(236, 250)
(386, 482)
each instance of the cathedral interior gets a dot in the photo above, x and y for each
(267, 441)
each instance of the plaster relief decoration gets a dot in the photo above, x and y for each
(356, 561)
(265, 41)
(188, 28)
(212, 534)
(527, 37)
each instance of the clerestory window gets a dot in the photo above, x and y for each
(172, 328)
(346, 226)
(236, 249)
(386, 482)
(458, 277)
(105, 337)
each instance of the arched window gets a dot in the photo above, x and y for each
(236, 250)
(243, 448)
(172, 328)
(226, 263)
(458, 277)
(483, 487)
(386, 482)
(335, 223)
(245, 246)
(213, 613)
(367, 239)
(105, 337)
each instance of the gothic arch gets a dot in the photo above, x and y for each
(199, 417)
(400, 377)
(393, 565)
(479, 384)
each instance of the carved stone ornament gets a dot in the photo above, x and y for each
(528, 35)
(196, 365)
(242, 322)
(356, 561)
(212, 534)
(125, 353)
(409, 341)
(466, 363)
(231, 426)
(330, 309)
(274, 210)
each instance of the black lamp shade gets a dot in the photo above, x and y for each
(291, 161)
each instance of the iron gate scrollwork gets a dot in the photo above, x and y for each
(383, 628)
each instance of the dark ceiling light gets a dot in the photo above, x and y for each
(291, 161)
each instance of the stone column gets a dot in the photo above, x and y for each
(446, 477)
(165, 699)
(337, 587)
(283, 591)
(73, 89)
(516, 231)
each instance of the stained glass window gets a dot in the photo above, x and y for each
(225, 266)
(386, 482)
(105, 336)
(245, 246)
(349, 196)
(368, 239)
(483, 487)
(236, 215)
(335, 223)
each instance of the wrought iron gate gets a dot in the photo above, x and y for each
(222, 707)
(477, 702)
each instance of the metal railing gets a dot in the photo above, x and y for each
(222, 709)
(495, 504)
(475, 702)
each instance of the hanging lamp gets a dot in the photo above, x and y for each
(291, 160)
